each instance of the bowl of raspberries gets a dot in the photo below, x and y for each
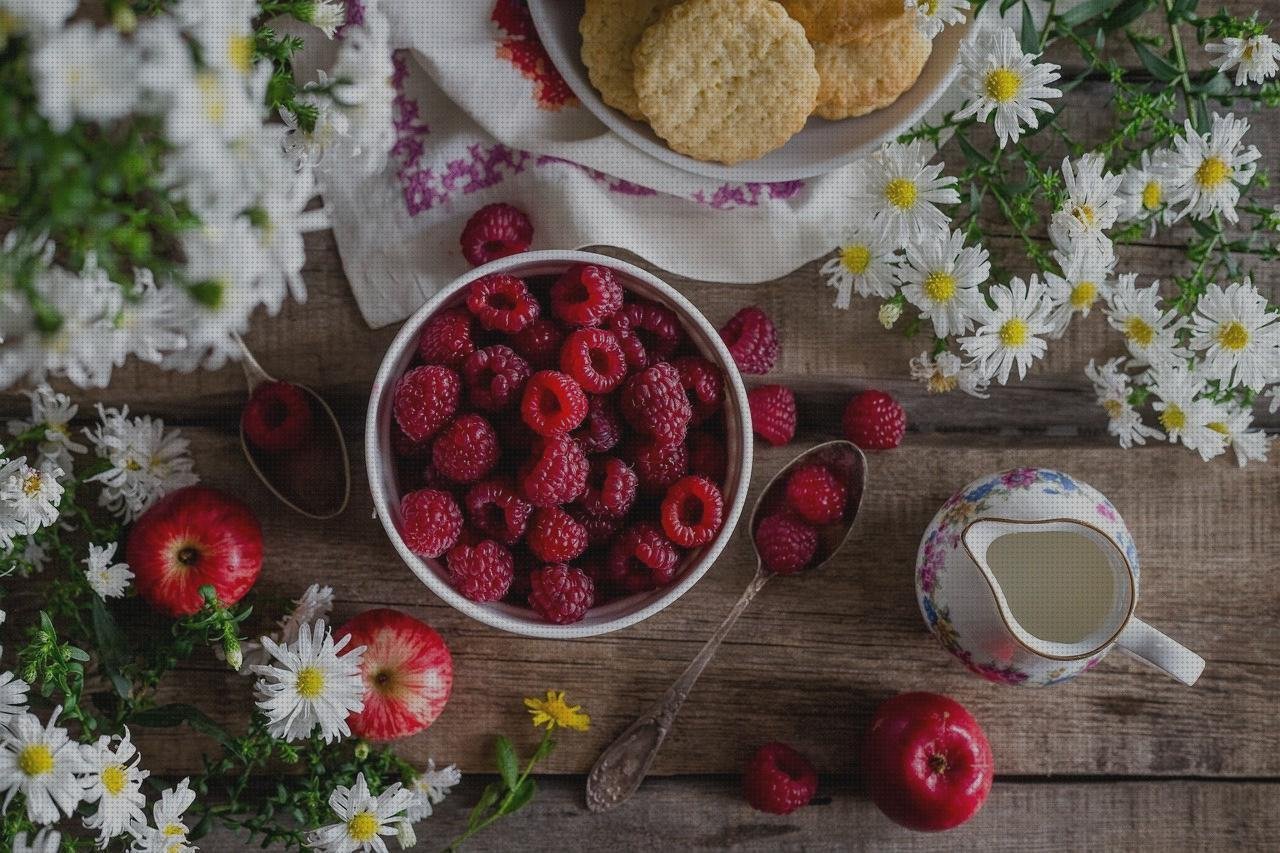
(558, 444)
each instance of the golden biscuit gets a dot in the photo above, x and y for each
(610, 31)
(844, 21)
(857, 79)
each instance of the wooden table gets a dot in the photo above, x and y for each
(1123, 758)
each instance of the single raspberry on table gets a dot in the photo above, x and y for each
(654, 403)
(553, 403)
(502, 303)
(481, 572)
(648, 332)
(785, 543)
(816, 494)
(425, 399)
(495, 231)
(561, 594)
(641, 559)
(692, 513)
(779, 780)
(540, 343)
(874, 421)
(494, 509)
(752, 340)
(556, 474)
(708, 456)
(611, 487)
(586, 294)
(659, 465)
(602, 430)
(495, 376)
(431, 522)
(593, 357)
(703, 384)
(278, 417)
(773, 413)
(466, 450)
(555, 536)
(447, 338)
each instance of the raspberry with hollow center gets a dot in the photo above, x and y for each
(481, 572)
(556, 474)
(553, 403)
(495, 231)
(779, 780)
(641, 559)
(561, 594)
(494, 376)
(692, 513)
(425, 399)
(278, 417)
(586, 294)
(593, 357)
(539, 343)
(752, 340)
(502, 303)
(773, 413)
(611, 487)
(703, 384)
(654, 403)
(431, 522)
(816, 494)
(874, 421)
(555, 536)
(446, 338)
(659, 465)
(648, 332)
(602, 430)
(786, 544)
(466, 450)
(494, 509)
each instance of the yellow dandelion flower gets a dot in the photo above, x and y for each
(554, 712)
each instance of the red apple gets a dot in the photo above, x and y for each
(408, 674)
(192, 537)
(927, 762)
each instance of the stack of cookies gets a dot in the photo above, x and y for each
(732, 80)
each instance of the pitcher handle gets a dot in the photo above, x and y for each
(1142, 641)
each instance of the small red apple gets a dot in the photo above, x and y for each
(408, 674)
(192, 537)
(927, 762)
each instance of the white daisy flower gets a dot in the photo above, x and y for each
(900, 190)
(1254, 58)
(224, 29)
(1144, 191)
(1003, 80)
(366, 96)
(941, 278)
(1090, 207)
(932, 16)
(1207, 172)
(167, 833)
(1148, 331)
(947, 373)
(364, 818)
(45, 841)
(310, 147)
(1238, 334)
(34, 556)
(1250, 445)
(1185, 415)
(865, 265)
(54, 412)
(113, 780)
(1111, 385)
(430, 788)
(150, 323)
(83, 72)
(146, 461)
(316, 684)
(315, 603)
(1085, 276)
(13, 697)
(109, 580)
(29, 497)
(42, 763)
(325, 15)
(1010, 334)
(889, 313)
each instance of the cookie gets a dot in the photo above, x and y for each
(610, 31)
(725, 80)
(844, 21)
(857, 78)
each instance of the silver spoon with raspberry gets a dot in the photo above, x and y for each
(800, 520)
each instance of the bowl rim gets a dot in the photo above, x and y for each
(384, 382)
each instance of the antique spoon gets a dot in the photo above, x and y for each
(314, 480)
(623, 765)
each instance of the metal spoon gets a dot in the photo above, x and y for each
(623, 765)
(326, 441)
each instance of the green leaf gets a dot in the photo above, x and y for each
(113, 646)
(1157, 66)
(1126, 13)
(177, 713)
(488, 797)
(521, 798)
(508, 766)
(1029, 36)
(1077, 15)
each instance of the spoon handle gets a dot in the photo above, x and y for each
(253, 372)
(623, 765)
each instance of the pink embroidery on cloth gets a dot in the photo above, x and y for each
(355, 17)
(730, 196)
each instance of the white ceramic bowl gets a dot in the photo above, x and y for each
(616, 614)
(822, 146)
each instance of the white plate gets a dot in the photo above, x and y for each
(821, 147)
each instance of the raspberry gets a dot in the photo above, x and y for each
(557, 473)
(816, 494)
(553, 403)
(481, 572)
(502, 303)
(585, 295)
(611, 488)
(467, 450)
(497, 511)
(561, 594)
(786, 544)
(601, 529)
(278, 416)
(602, 430)
(779, 780)
(707, 456)
(431, 522)
(405, 449)
(555, 536)
(659, 465)
(648, 332)
(654, 402)
(874, 421)
(641, 559)
(773, 413)
(426, 399)
(495, 231)
(692, 512)
(494, 376)
(446, 338)
(703, 383)
(539, 343)
(593, 357)
(752, 340)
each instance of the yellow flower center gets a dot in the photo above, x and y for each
(901, 193)
(240, 52)
(215, 103)
(1247, 53)
(929, 7)
(940, 286)
(1002, 85)
(1152, 195)
(1114, 408)
(1083, 295)
(1085, 214)
(855, 259)
(1212, 172)
(1139, 331)
(113, 779)
(31, 484)
(1014, 332)
(1219, 427)
(1173, 418)
(363, 827)
(310, 682)
(35, 760)
(1233, 335)
(939, 383)
(174, 830)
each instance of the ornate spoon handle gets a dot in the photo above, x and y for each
(623, 765)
